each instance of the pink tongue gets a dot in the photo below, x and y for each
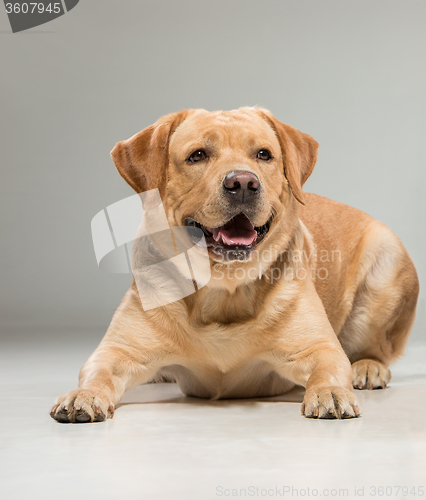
(238, 231)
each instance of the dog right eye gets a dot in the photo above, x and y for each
(198, 155)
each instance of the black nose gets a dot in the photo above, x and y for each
(241, 185)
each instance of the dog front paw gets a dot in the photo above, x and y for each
(330, 402)
(81, 406)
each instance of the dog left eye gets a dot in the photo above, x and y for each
(264, 155)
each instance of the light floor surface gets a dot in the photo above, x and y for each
(162, 445)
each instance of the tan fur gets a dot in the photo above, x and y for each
(327, 287)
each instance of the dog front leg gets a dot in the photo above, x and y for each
(108, 373)
(325, 371)
(130, 354)
(308, 353)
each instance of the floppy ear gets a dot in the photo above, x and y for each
(299, 153)
(142, 160)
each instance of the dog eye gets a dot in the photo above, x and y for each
(198, 155)
(264, 155)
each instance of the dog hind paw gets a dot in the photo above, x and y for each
(370, 374)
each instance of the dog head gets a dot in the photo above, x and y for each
(237, 175)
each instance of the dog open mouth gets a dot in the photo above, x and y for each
(236, 239)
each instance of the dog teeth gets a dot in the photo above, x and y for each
(227, 241)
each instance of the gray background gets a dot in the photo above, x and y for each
(350, 73)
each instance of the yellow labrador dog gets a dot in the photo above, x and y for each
(303, 290)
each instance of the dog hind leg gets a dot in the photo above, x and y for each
(383, 309)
